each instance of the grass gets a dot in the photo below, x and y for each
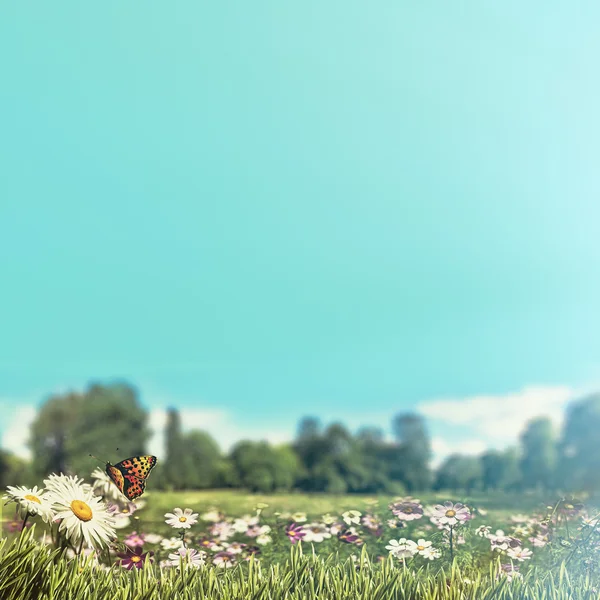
(237, 502)
(30, 572)
(326, 571)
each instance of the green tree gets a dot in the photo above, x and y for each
(14, 470)
(175, 466)
(538, 462)
(263, 468)
(68, 428)
(579, 449)
(200, 459)
(459, 473)
(51, 432)
(411, 434)
(109, 417)
(500, 469)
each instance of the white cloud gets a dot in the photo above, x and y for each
(219, 424)
(501, 418)
(15, 434)
(442, 448)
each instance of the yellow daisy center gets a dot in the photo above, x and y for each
(81, 510)
(450, 513)
(420, 547)
(182, 519)
(408, 509)
(136, 559)
(33, 498)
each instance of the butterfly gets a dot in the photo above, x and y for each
(130, 475)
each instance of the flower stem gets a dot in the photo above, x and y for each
(23, 528)
(451, 545)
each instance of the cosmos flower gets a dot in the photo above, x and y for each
(430, 553)
(134, 539)
(299, 517)
(179, 519)
(295, 533)
(402, 548)
(520, 554)
(351, 516)
(224, 560)
(171, 543)
(187, 557)
(212, 516)
(264, 539)
(16, 524)
(135, 558)
(315, 532)
(350, 537)
(235, 547)
(483, 530)
(407, 511)
(450, 514)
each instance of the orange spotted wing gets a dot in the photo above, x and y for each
(130, 475)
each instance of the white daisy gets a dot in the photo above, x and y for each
(57, 484)
(82, 514)
(179, 519)
(32, 501)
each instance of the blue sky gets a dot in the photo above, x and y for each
(267, 210)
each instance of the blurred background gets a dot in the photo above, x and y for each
(314, 247)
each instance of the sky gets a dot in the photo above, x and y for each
(259, 211)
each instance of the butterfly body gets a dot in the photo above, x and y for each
(130, 475)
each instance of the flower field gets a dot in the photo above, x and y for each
(72, 539)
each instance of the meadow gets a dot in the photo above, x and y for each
(232, 544)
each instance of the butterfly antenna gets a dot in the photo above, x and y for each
(101, 461)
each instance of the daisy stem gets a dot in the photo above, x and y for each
(80, 547)
(451, 545)
(23, 528)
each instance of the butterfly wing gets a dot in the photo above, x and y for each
(138, 466)
(134, 487)
(134, 472)
(116, 476)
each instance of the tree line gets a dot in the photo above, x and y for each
(321, 458)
